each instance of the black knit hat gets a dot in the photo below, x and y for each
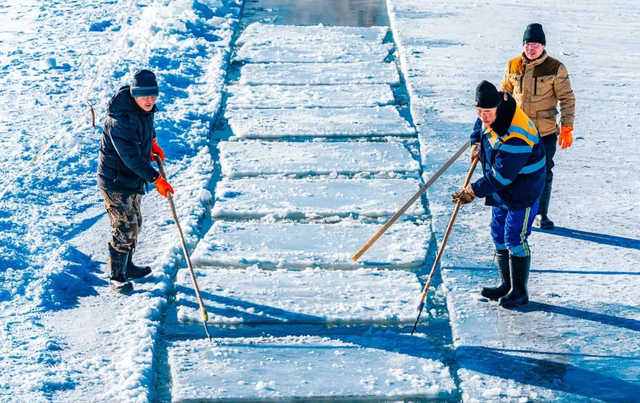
(534, 33)
(144, 84)
(487, 96)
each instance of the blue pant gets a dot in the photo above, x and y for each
(510, 229)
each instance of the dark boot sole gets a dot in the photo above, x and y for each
(493, 293)
(543, 224)
(508, 304)
(121, 288)
(547, 226)
(138, 274)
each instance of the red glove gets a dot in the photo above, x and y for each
(162, 186)
(565, 139)
(155, 149)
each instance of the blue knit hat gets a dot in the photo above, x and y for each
(144, 84)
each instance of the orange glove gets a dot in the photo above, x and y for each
(162, 186)
(565, 139)
(155, 149)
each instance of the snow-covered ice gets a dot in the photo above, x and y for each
(577, 340)
(298, 245)
(255, 369)
(254, 296)
(351, 122)
(67, 338)
(325, 96)
(313, 198)
(319, 73)
(255, 158)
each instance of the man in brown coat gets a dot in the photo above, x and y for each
(538, 83)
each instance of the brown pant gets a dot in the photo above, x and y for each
(126, 219)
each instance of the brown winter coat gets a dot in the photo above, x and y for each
(537, 86)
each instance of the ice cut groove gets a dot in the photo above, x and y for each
(310, 296)
(352, 122)
(313, 197)
(326, 96)
(320, 73)
(256, 157)
(302, 245)
(286, 368)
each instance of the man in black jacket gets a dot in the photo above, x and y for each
(127, 147)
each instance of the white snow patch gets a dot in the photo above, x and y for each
(255, 296)
(277, 123)
(321, 52)
(326, 96)
(253, 158)
(236, 369)
(266, 34)
(297, 245)
(320, 73)
(317, 197)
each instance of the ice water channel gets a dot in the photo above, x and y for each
(434, 340)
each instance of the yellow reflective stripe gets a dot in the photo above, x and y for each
(520, 119)
(518, 136)
(523, 241)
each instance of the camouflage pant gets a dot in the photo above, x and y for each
(126, 219)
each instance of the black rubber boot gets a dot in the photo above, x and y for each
(134, 272)
(519, 278)
(542, 218)
(502, 260)
(117, 267)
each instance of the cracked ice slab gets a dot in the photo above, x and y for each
(310, 296)
(301, 245)
(253, 158)
(313, 197)
(319, 73)
(352, 122)
(314, 52)
(303, 367)
(326, 96)
(267, 33)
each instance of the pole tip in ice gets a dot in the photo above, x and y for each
(354, 258)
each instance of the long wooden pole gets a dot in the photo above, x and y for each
(423, 297)
(205, 317)
(408, 204)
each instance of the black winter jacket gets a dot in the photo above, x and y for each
(124, 162)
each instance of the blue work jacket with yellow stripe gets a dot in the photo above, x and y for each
(512, 158)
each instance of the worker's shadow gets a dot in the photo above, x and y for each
(604, 239)
(610, 320)
(555, 374)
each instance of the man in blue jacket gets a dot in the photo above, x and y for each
(513, 165)
(127, 147)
